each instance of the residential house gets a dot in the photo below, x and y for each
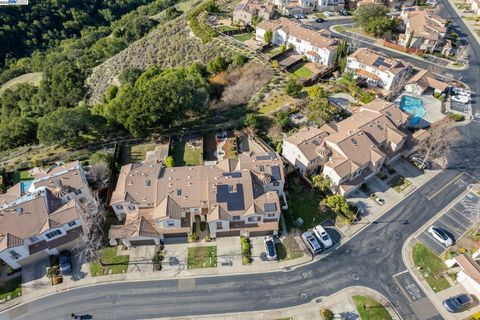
(377, 69)
(475, 6)
(330, 5)
(469, 274)
(423, 29)
(293, 7)
(424, 80)
(41, 217)
(350, 151)
(233, 197)
(315, 45)
(248, 10)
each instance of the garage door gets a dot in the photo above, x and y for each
(136, 243)
(228, 233)
(260, 233)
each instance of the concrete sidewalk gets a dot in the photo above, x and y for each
(340, 303)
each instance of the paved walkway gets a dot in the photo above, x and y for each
(435, 298)
(341, 304)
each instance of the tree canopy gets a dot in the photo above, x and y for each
(373, 19)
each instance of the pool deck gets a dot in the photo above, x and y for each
(433, 109)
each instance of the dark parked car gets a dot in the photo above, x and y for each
(458, 303)
(270, 248)
(319, 20)
(65, 261)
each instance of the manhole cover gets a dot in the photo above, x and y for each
(356, 276)
(394, 288)
(303, 296)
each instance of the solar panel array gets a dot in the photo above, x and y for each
(233, 174)
(268, 156)
(381, 62)
(276, 173)
(234, 200)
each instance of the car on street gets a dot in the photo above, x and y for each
(323, 236)
(461, 91)
(311, 242)
(461, 99)
(441, 236)
(344, 12)
(65, 262)
(458, 303)
(328, 13)
(319, 20)
(270, 248)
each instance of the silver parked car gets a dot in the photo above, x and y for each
(311, 242)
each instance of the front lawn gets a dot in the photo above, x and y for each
(399, 183)
(431, 266)
(288, 249)
(305, 204)
(370, 309)
(302, 72)
(243, 36)
(202, 257)
(113, 264)
(12, 288)
(183, 155)
(340, 29)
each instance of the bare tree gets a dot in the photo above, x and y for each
(99, 175)
(442, 136)
(93, 217)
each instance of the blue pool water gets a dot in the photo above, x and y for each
(413, 106)
(25, 185)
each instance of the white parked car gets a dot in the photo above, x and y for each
(461, 91)
(441, 236)
(461, 99)
(328, 13)
(323, 236)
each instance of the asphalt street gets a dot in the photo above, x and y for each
(372, 259)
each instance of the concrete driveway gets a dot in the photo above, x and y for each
(175, 257)
(141, 258)
(229, 251)
(34, 275)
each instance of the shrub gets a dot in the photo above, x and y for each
(246, 250)
(326, 314)
(293, 88)
(455, 116)
(193, 237)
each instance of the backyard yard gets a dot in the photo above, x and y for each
(185, 155)
(302, 72)
(11, 288)
(370, 309)
(18, 176)
(305, 204)
(202, 257)
(243, 36)
(139, 152)
(113, 263)
(431, 267)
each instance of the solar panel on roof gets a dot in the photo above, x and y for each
(269, 207)
(276, 172)
(232, 174)
(222, 189)
(234, 200)
(268, 156)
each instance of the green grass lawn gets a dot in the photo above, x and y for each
(21, 176)
(305, 204)
(184, 155)
(117, 264)
(202, 257)
(431, 266)
(288, 249)
(138, 152)
(11, 288)
(226, 28)
(243, 36)
(302, 72)
(340, 29)
(370, 309)
(400, 183)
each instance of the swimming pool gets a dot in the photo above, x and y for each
(413, 106)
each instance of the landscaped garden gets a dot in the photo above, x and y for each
(11, 289)
(302, 72)
(305, 204)
(243, 36)
(184, 155)
(202, 257)
(431, 267)
(399, 183)
(370, 309)
(112, 263)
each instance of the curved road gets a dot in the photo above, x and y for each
(370, 259)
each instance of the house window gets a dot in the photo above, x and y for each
(131, 208)
(179, 192)
(276, 183)
(170, 223)
(253, 219)
(219, 226)
(34, 239)
(53, 234)
(118, 206)
(271, 214)
(262, 168)
(72, 223)
(77, 192)
(235, 218)
(14, 254)
(19, 211)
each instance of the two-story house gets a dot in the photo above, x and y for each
(377, 69)
(350, 151)
(248, 10)
(315, 45)
(233, 197)
(41, 217)
(423, 29)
